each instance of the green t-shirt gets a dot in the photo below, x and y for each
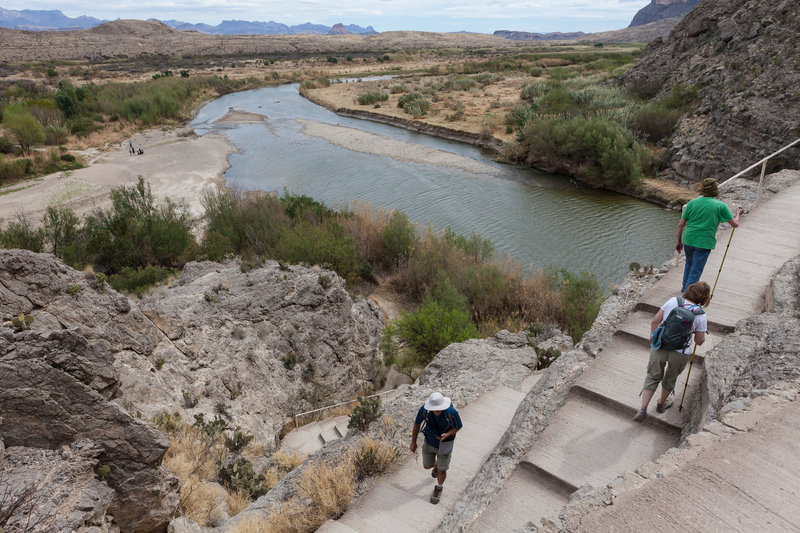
(703, 215)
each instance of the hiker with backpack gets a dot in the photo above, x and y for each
(697, 229)
(671, 333)
(439, 422)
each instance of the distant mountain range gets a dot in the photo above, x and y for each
(40, 20)
(527, 36)
(662, 9)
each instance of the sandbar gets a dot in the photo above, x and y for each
(375, 144)
(177, 164)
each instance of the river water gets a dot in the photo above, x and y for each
(538, 219)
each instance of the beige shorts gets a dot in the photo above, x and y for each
(431, 456)
(664, 366)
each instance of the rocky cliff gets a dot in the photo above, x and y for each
(662, 9)
(83, 366)
(742, 57)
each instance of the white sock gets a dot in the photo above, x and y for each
(438, 485)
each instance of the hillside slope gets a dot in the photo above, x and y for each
(742, 55)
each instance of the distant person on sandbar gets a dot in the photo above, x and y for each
(440, 422)
(697, 229)
(668, 359)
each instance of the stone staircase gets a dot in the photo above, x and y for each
(311, 437)
(592, 438)
(400, 502)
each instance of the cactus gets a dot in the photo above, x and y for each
(22, 322)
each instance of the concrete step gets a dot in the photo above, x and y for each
(637, 328)
(399, 503)
(334, 526)
(529, 494)
(590, 443)
(531, 380)
(617, 375)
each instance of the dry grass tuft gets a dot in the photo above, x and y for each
(237, 501)
(253, 525)
(330, 488)
(202, 501)
(371, 457)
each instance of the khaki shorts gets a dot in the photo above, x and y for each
(430, 455)
(674, 362)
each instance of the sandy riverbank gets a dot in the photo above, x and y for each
(372, 143)
(176, 163)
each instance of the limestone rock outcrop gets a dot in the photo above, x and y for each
(742, 58)
(57, 377)
(81, 362)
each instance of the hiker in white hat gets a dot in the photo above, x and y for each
(441, 423)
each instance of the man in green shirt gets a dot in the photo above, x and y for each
(697, 230)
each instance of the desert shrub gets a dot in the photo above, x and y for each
(136, 232)
(22, 234)
(546, 357)
(138, 281)
(645, 89)
(372, 457)
(581, 296)
(327, 245)
(370, 98)
(19, 120)
(55, 134)
(14, 170)
(414, 103)
(606, 150)
(6, 146)
(654, 122)
(364, 414)
(681, 97)
(398, 239)
(399, 89)
(432, 327)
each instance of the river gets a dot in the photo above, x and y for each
(538, 219)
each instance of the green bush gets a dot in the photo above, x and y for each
(19, 120)
(6, 146)
(364, 414)
(581, 296)
(137, 233)
(654, 122)
(55, 135)
(414, 103)
(139, 280)
(399, 237)
(432, 327)
(63, 231)
(606, 151)
(370, 98)
(15, 170)
(21, 233)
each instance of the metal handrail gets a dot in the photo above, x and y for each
(763, 164)
(335, 405)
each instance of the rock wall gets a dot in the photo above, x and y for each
(250, 345)
(742, 57)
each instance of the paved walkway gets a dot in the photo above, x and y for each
(592, 438)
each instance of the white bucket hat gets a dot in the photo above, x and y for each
(437, 402)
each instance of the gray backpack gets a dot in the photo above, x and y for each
(678, 326)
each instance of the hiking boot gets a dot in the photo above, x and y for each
(640, 415)
(661, 407)
(435, 472)
(437, 495)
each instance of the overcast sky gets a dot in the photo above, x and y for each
(482, 16)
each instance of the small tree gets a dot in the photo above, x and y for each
(21, 122)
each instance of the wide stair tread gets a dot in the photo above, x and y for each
(617, 375)
(591, 443)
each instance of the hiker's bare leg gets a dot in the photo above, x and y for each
(441, 477)
(664, 394)
(647, 395)
(429, 467)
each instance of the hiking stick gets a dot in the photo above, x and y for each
(691, 360)
(720, 266)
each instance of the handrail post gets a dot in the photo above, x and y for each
(761, 181)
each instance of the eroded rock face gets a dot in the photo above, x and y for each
(662, 9)
(45, 485)
(56, 380)
(252, 346)
(259, 345)
(741, 55)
